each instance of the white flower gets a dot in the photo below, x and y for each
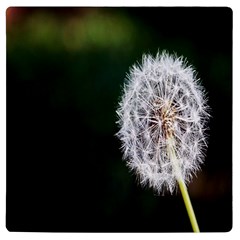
(163, 105)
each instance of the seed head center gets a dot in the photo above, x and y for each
(166, 114)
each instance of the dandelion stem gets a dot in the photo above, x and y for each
(188, 205)
(182, 185)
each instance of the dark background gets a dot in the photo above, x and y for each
(65, 70)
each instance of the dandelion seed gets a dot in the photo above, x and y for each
(162, 118)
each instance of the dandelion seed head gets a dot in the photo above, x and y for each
(162, 99)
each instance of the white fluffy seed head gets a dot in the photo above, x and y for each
(162, 99)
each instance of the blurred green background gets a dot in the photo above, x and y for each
(65, 72)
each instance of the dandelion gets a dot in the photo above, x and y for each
(162, 118)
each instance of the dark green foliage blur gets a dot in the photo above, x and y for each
(65, 72)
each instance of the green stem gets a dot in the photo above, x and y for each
(188, 205)
(182, 185)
